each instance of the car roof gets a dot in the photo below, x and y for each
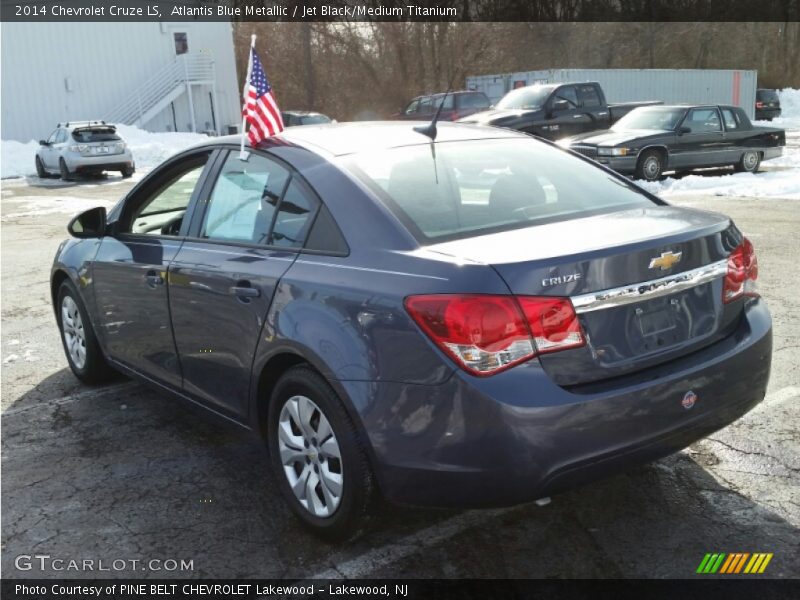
(71, 125)
(339, 139)
(302, 113)
(453, 93)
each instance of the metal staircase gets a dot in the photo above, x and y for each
(164, 86)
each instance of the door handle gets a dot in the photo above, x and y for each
(243, 289)
(153, 279)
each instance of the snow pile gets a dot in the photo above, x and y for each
(784, 183)
(149, 150)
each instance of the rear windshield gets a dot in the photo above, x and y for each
(767, 95)
(470, 188)
(98, 134)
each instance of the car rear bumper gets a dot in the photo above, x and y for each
(767, 113)
(515, 437)
(111, 162)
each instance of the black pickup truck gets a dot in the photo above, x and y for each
(555, 110)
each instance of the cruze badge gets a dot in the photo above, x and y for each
(548, 281)
(666, 261)
(688, 400)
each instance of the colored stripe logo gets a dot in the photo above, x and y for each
(735, 563)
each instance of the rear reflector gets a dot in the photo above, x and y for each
(487, 334)
(740, 279)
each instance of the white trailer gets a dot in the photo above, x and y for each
(672, 86)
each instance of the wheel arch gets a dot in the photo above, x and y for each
(661, 148)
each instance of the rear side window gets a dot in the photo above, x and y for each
(730, 119)
(474, 187)
(589, 96)
(295, 215)
(473, 101)
(243, 201)
(104, 134)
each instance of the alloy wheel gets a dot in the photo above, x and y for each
(310, 456)
(74, 334)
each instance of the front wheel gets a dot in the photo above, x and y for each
(317, 456)
(749, 162)
(80, 344)
(40, 172)
(650, 165)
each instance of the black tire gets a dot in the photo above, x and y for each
(358, 488)
(127, 172)
(95, 368)
(40, 172)
(62, 167)
(749, 163)
(650, 165)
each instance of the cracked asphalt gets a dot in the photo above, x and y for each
(124, 473)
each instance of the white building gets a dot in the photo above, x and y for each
(158, 76)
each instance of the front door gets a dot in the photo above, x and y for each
(704, 144)
(222, 281)
(565, 117)
(50, 153)
(130, 271)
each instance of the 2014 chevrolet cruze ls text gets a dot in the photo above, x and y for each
(481, 320)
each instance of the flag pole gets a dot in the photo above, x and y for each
(242, 154)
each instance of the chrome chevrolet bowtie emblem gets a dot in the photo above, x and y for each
(666, 261)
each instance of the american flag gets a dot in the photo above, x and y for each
(260, 109)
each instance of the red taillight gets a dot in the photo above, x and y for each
(759, 105)
(486, 334)
(740, 279)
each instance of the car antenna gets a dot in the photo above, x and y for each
(429, 130)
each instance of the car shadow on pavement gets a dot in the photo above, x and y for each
(55, 182)
(126, 473)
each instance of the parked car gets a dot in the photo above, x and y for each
(648, 141)
(482, 325)
(556, 110)
(292, 118)
(768, 105)
(456, 105)
(83, 147)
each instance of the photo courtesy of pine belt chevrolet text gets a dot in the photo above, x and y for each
(445, 315)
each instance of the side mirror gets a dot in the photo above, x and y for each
(89, 224)
(684, 129)
(44, 143)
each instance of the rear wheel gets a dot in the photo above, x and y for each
(64, 170)
(317, 456)
(127, 171)
(80, 344)
(650, 165)
(749, 162)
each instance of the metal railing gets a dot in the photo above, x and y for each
(175, 78)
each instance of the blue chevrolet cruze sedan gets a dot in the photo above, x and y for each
(480, 320)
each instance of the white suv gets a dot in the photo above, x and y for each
(83, 147)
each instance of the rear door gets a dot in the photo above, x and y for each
(130, 270)
(222, 281)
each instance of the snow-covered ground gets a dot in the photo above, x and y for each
(149, 149)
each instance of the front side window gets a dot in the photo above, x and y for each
(243, 201)
(469, 188)
(703, 120)
(62, 136)
(412, 108)
(160, 208)
(730, 119)
(53, 137)
(567, 93)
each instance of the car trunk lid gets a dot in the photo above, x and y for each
(646, 283)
